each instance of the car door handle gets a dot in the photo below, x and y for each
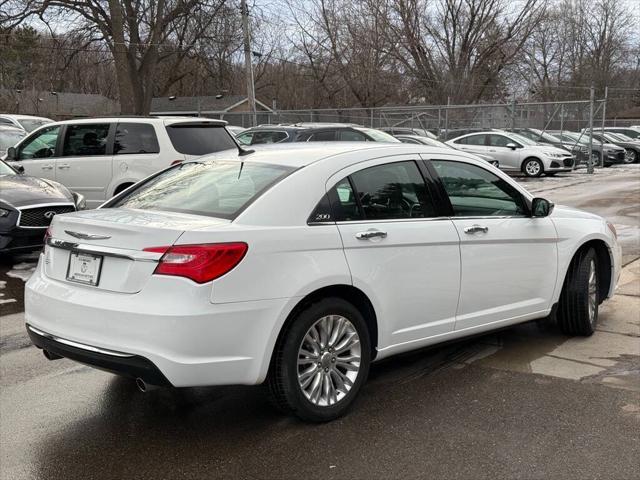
(370, 234)
(475, 229)
(47, 167)
(64, 166)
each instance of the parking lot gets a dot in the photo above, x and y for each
(526, 402)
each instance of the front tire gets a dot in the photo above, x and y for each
(532, 167)
(578, 307)
(321, 361)
(630, 156)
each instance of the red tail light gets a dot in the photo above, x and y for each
(200, 263)
(175, 162)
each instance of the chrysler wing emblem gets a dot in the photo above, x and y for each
(86, 236)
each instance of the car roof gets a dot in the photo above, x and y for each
(165, 120)
(18, 117)
(300, 154)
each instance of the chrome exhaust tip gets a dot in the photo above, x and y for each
(50, 356)
(144, 386)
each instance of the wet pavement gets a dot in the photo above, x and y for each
(526, 402)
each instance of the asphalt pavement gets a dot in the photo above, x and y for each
(526, 402)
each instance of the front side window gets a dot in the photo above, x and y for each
(499, 141)
(245, 138)
(86, 140)
(351, 136)
(476, 192)
(211, 188)
(41, 145)
(268, 137)
(392, 191)
(8, 138)
(132, 138)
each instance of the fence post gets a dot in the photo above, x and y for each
(513, 114)
(446, 119)
(590, 162)
(604, 115)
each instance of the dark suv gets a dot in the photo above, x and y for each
(265, 134)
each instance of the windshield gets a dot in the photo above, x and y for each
(211, 188)
(6, 169)
(522, 139)
(378, 136)
(576, 137)
(620, 137)
(8, 138)
(546, 136)
(30, 124)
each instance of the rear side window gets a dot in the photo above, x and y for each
(327, 136)
(85, 140)
(216, 189)
(351, 136)
(135, 138)
(392, 191)
(268, 137)
(199, 138)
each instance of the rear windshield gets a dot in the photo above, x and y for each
(199, 139)
(211, 188)
(30, 124)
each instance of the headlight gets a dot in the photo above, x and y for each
(554, 155)
(4, 212)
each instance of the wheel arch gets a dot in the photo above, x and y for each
(121, 187)
(349, 293)
(605, 266)
(531, 157)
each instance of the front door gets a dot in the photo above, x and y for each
(401, 255)
(84, 165)
(38, 152)
(509, 158)
(509, 259)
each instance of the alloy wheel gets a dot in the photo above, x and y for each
(532, 168)
(629, 156)
(329, 360)
(593, 291)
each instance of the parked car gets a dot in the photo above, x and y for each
(299, 265)
(458, 132)
(417, 139)
(28, 123)
(314, 133)
(100, 157)
(516, 153)
(609, 153)
(234, 130)
(395, 131)
(27, 206)
(9, 136)
(631, 147)
(579, 151)
(631, 132)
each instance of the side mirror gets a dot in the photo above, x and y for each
(541, 207)
(19, 169)
(11, 153)
(512, 146)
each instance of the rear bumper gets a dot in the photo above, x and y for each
(120, 363)
(171, 325)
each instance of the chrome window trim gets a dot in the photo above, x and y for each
(79, 345)
(41, 205)
(104, 251)
(427, 219)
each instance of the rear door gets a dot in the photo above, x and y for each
(509, 259)
(136, 154)
(400, 253)
(38, 153)
(472, 144)
(84, 164)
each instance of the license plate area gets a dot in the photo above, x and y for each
(84, 268)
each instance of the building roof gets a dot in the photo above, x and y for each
(202, 104)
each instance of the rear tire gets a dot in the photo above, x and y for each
(327, 344)
(532, 167)
(577, 312)
(630, 156)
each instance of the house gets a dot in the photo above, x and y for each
(57, 105)
(232, 108)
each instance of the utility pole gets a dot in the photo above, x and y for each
(251, 94)
(590, 162)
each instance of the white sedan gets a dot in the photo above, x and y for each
(300, 265)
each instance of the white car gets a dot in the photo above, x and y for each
(300, 265)
(28, 123)
(516, 153)
(100, 157)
